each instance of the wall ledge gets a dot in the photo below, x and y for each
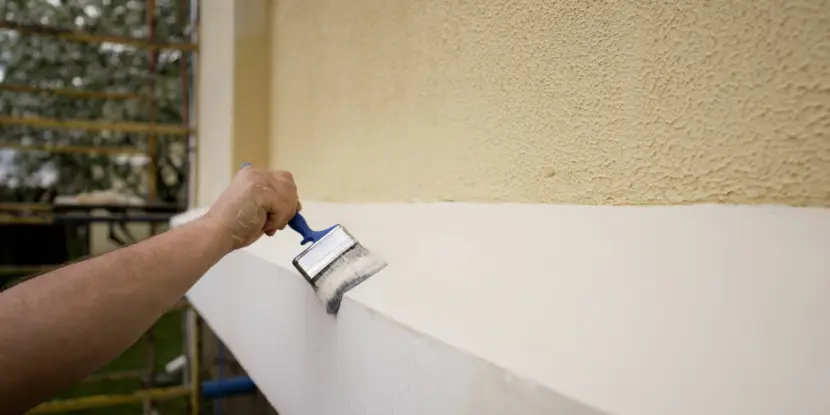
(507, 308)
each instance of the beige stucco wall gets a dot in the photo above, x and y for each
(539, 101)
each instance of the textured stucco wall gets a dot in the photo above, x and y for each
(540, 101)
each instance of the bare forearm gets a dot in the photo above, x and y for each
(58, 327)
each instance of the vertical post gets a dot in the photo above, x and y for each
(151, 185)
(184, 74)
(193, 140)
(150, 376)
(152, 150)
(194, 355)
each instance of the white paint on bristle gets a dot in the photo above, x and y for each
(346, 272)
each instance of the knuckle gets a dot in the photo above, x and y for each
(285, 175)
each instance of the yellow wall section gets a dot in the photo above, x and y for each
(251, 77)
(540, 101)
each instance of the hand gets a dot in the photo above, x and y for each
(257, 201)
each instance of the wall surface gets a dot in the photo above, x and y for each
(308, 363)
(215, 99)
(233, 91)
(568, 102)
(534, 308)
(717, 310)
(251, 83)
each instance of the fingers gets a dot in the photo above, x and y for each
(271, 225)
(276, 204)
(288, 191)
(257, 201)
(280, 200)
(276, 193)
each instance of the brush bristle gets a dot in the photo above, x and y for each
(347, 271)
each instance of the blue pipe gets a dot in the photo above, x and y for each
(227, 387)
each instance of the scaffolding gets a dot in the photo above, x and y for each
(152, 212)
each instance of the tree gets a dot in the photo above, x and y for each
(51, 62)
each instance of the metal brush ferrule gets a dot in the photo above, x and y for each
(311, 262)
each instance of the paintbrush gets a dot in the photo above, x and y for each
(334, 263)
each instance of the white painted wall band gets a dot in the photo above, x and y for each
(630, 310)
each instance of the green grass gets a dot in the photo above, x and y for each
(169, 344)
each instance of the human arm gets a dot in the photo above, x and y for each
(59, 327)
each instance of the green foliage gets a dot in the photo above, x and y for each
(50, 62)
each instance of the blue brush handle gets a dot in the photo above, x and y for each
(300, 226)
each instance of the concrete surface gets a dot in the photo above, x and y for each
(542, 309)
